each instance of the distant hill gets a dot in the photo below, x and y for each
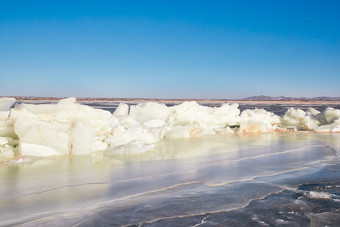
(249, 99)
(283, 98)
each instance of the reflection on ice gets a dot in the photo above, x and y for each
(222, 180)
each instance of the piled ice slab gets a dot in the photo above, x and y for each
(59, 129)
(312, 120)
(70, 128)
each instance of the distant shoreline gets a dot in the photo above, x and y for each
(138, 100)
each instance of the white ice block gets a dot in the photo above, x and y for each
(122, 110)
(51, 137)
(331, 115)
(150, 111)
(82, 137)
(6, 103)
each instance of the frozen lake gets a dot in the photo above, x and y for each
(231, 180)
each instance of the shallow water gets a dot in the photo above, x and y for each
(231, 180)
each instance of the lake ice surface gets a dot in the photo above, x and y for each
(290, 178)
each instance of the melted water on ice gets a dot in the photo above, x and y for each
(231, 180)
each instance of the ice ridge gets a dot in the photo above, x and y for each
(69, 128)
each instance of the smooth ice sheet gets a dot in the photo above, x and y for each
(225, 180)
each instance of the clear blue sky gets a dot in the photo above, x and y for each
(169, 49)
